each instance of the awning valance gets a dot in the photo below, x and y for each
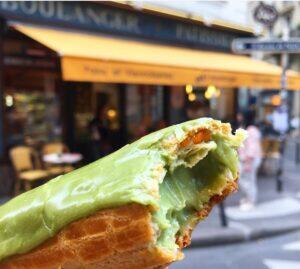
(96, 58)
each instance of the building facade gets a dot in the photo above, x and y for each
(74, 71)
(286, 23)
(41, 103)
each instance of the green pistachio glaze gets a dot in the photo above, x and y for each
(149, 171)
(186, 190)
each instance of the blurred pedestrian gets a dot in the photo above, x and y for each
(250, 159)
(280, 119)
(160, 124)
(99, 133)
(238, 122)
(144, 127)
(197, 109)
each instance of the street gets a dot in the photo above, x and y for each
(281, 252)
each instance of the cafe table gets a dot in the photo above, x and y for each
(62, 158)
(61, 163)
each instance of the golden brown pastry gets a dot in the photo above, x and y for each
(138, 221)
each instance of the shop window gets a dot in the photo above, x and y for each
(31, 99)
(31, 117)
(32, 109)
(97, 119)
(144, 110)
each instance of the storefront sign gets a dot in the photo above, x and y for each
(77, 69)
(109, 19)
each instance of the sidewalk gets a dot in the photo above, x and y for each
(276, 213)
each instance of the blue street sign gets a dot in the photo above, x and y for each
(248, 45)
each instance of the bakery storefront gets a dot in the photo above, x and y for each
(66, 64)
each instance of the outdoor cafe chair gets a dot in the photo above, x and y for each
(271, 155)
(56, 148)
(27, 167)
(273, 150)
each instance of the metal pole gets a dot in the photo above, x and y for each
(297, 151)
(285, 56)
(297, 138)
(284, 66)
(224, 221)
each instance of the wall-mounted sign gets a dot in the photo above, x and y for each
(108, 19)
(248, 45)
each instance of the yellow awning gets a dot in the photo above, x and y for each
(96, 58)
